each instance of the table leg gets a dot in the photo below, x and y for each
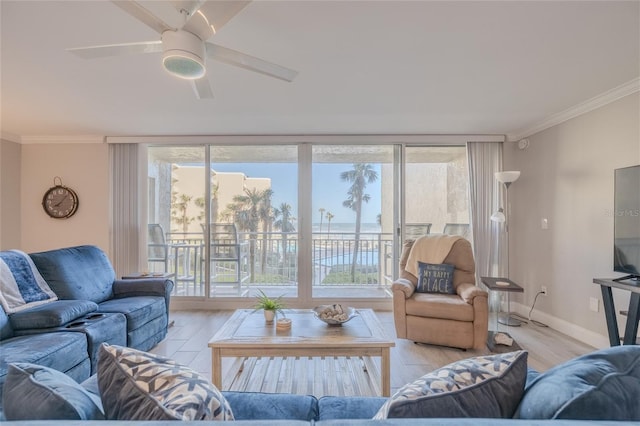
(385, 370)
(631, 329)
(507, 319)
(610, 316)
(216, 368)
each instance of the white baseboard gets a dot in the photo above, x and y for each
(579, 333)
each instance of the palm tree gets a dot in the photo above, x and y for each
(329, 218)
(246, 214)
(265, 212)
(361, 175)
(284, 223)
(179, 207)
(321, 210)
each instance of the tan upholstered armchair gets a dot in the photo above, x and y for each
(458, 320)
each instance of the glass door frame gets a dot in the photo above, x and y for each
(304, 145)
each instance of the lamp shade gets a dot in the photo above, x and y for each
(499, 216)
(507, 177)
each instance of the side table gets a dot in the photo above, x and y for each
(508, 286)
(142, 275)
(633, 313)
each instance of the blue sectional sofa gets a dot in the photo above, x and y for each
(601, 388)
(93, 307)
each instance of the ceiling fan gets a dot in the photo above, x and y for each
(185, 49)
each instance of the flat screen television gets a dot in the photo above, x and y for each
(626, 223)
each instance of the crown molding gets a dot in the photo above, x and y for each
(62, 139)
(596, 102)
(6, 136)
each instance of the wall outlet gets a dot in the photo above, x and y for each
(594, 304)
(543, 289)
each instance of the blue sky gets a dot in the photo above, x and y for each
(328, 190)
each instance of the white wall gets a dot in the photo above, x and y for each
(82, 167)
(567, 177)
(10, 209)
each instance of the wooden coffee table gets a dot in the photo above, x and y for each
(246, 335)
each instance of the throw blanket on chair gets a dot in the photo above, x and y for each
(429, 249)
(21, 285)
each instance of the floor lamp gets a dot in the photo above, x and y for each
(506, 178)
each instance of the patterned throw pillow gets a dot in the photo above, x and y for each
(136, 385)
(485, 386)
(435, 278)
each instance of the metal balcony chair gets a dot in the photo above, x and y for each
(414, 231)
(228, 258)
(158, 250)
(461, 229)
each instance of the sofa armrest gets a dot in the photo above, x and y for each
(469, 292)
(403, 285)
(142, 287)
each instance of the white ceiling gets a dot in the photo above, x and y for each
(381, 67)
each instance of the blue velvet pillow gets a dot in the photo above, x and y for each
(435, 278)
(484, 386)
(602, 385)
(34, 392)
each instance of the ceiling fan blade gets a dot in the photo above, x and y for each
(251, 63)
(117, 49)
(212, 16)
(202, 88)
(143, 15)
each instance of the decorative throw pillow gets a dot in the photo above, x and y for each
(485, 386)
(602, 385)
(435, 278)
(136, 385)
(35, 392)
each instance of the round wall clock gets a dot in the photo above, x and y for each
(60, 202)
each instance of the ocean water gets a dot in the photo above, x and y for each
(346, 227)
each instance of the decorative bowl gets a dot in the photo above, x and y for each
(334, 314)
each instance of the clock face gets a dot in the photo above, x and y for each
(60, 202)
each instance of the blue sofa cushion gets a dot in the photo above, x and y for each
(272, 406)
(138, 310)
(54, 314)
(60, 351)
(42, 393)
(80, 273)
(348, 407)
(136, 385)
(484, 386)
(602, 385)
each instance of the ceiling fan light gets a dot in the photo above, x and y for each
(183, 54)
(183, 64)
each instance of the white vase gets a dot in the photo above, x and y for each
(269, 316)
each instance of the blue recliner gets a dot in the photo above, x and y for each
(85, 273)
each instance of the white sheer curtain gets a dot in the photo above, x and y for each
(125, 208)
(489, 240)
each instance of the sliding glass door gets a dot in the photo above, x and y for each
(352, 206)
(309, 222)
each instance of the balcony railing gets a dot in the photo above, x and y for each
(271, 259)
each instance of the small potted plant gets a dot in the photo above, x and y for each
(269, 306)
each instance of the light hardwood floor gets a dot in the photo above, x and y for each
(187, 341)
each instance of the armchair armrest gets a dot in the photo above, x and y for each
(468, 292)
(142, 287)
(403, 285)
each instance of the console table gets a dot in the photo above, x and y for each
(633, 315)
